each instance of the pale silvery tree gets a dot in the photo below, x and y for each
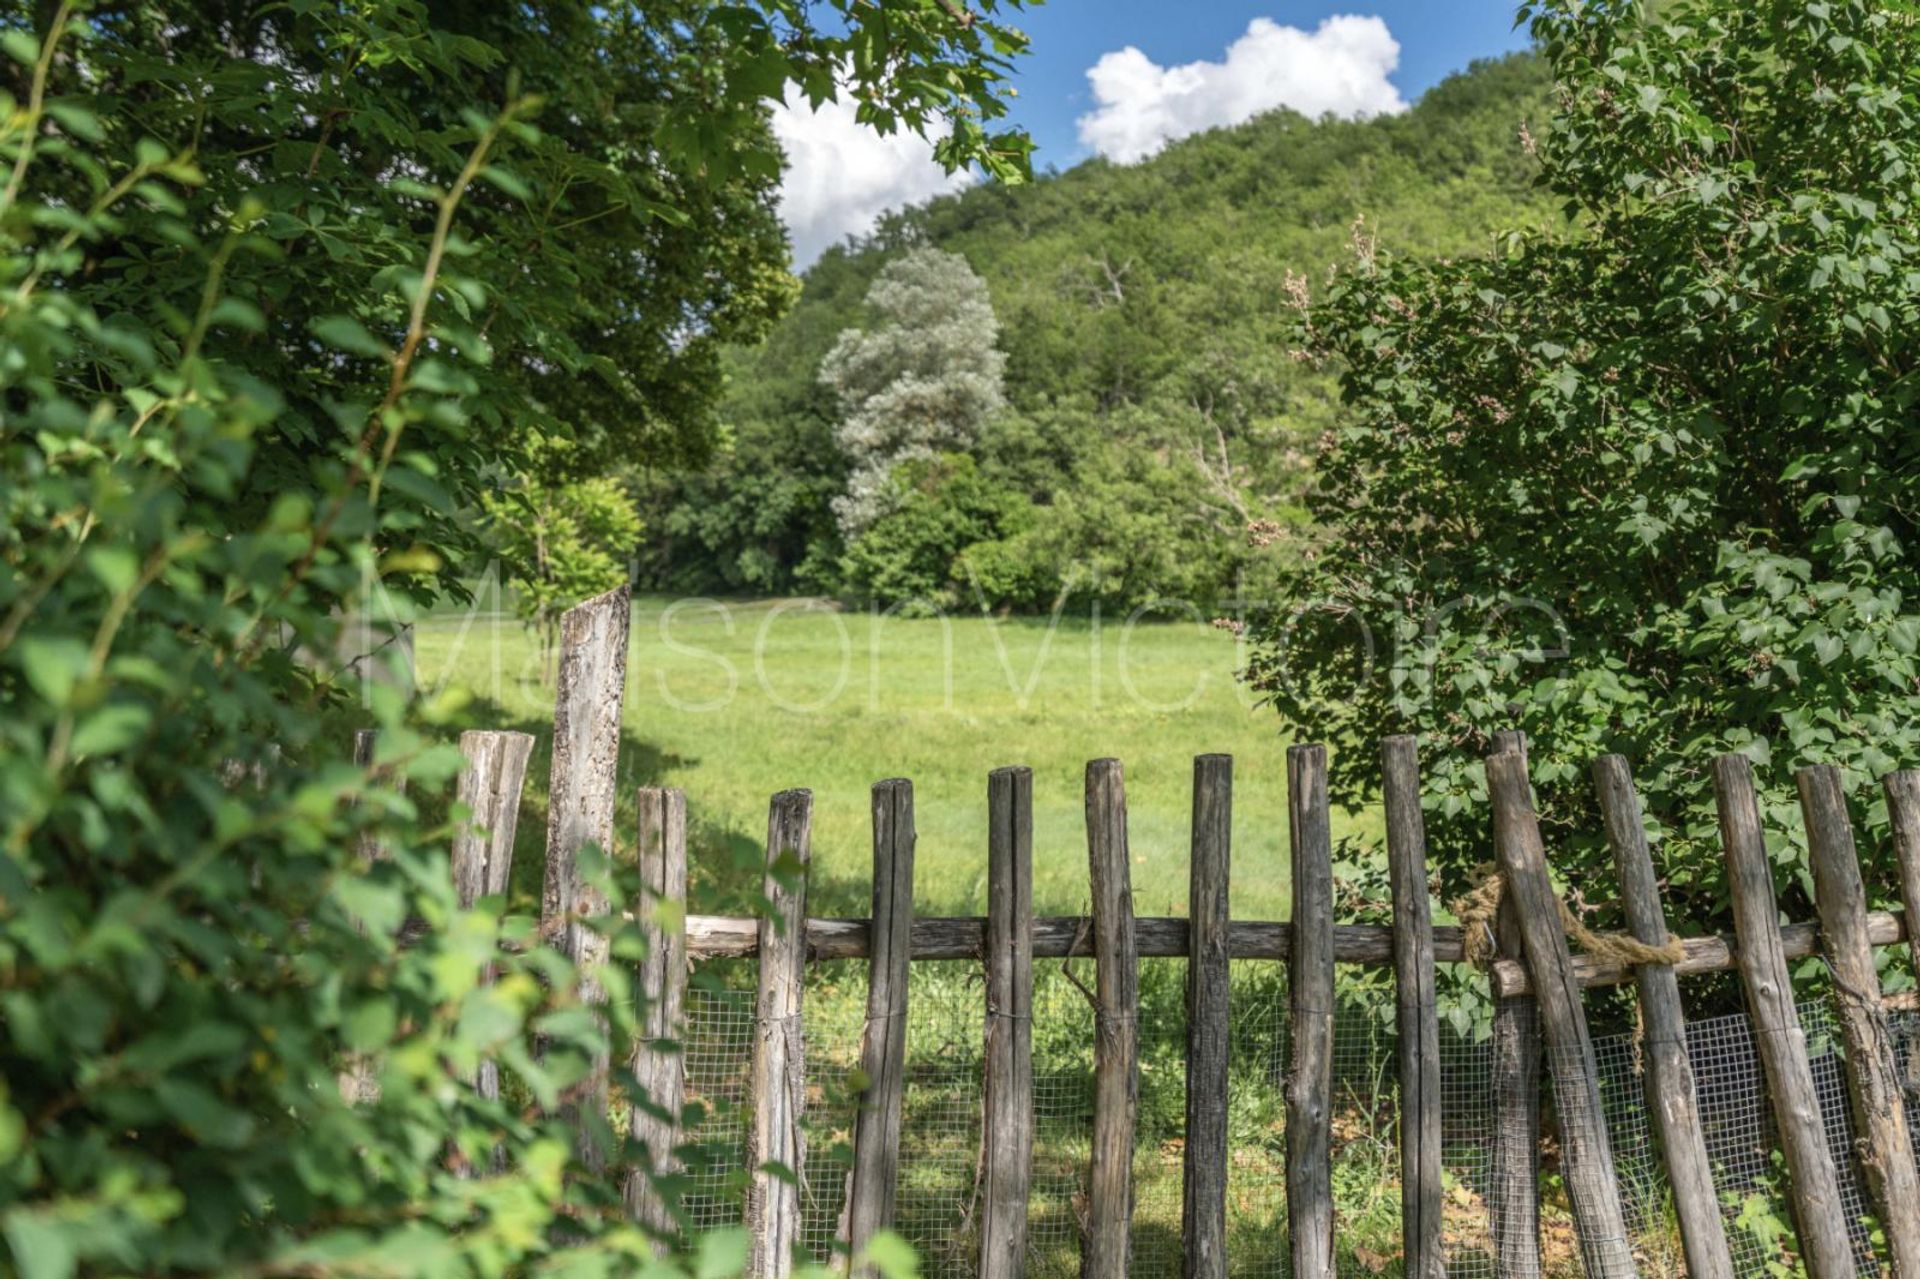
(924, 380)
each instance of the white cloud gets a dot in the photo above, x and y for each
(1341, 68)
(842, 175)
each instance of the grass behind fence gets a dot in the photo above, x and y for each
(734, 702)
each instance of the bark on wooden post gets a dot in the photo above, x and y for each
(1416, 1013)
(779, 1044)
(1586, 1152)
(659, 1064)
(1820, 1216)
(1903, 811)
(1203, 1221)
(1310, 1088)
(1116, 1044)
(1670, 1087)
(1514, 1208)
(589, 693)
(883, 1044)
(366, 744)
(1879, 1108)
(1006, 1129)
(489, 789)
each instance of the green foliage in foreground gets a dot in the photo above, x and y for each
(1647, 488)
(1156, 405)
(247, 256)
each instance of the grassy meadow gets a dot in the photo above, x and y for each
(733, 701)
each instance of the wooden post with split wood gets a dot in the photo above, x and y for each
(1416, 1013)
(1879, 1108)
(1514, 1192)
(659, 1064)
(1903, 813)
(589, 694)
(1116, 1030)
(883, 1043)
(1669, 1072)
(1006, 1129)
(1819, 1214)
(1588, 1156)
(1310, 1086)
(491, 778)
(779, 1044)
(1203, 1217)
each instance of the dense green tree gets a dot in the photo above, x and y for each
(925, 378)
(1145, 312)
(282, 289)
(1645, 485)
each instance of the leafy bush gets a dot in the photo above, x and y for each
(248, 255)
(1642, 485)
(560, 543)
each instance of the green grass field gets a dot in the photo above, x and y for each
(733, 701)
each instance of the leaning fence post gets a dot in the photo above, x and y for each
(1782, 1044)
(659, 1065)
(883, 1044)
(1116, 1044)
(1514, 1195)
(1903, 811)
(1203, 1223)
(1878, 1105)
(580, 794)
(1006, 1130)
(779, 1043)
(1310, 1089)
(1670, 1086)
(495, 769)
(1588, 1155)
(1416, 1012)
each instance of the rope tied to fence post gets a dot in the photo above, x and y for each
(1477, 910)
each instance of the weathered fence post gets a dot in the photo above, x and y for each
(1782, 1044)
(366, 744)
(1310, 1088)
(1591, 1187)
(489, 789)
(883, 1044)
(1514, 1195)
(1878, 1106)
(1203, 1220)
(1116, 1045)
(1903, 811)
(1416, 1012)
(1670, 1086)
(658, 1061)
(1006, 1129)
(589, 694)
(779, 1043)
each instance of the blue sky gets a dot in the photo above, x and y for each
(1436, 38)
(1122, 78)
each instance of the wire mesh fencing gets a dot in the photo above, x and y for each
(940, 1154)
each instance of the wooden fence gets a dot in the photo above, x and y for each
(1532, 965)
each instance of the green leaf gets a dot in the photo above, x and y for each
(39, 1247)
(722, 1254)
(345, 333)
(200, 1111)
(111, 728)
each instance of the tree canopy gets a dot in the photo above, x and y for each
(1644, 485)
(283, 289)
(1155, 404)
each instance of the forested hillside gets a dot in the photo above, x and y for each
(1154, 405)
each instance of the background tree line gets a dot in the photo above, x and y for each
(1154, 403)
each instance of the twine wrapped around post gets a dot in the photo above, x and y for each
(1476, 912)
